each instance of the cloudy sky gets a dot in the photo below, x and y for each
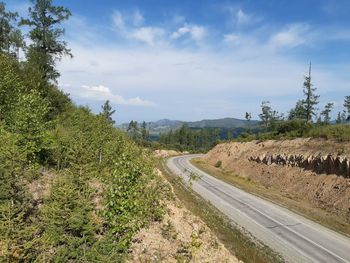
(193, 59)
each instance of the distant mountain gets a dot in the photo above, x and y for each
(165, 125)
(228, 123)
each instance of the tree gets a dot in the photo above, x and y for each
(269, 117)
(11, 39)
(298, 112)
(265, 114)
(311, 99)
(326, 112)
(133, 130)
(248, 117)
(144, 131)
(107, 112)
(47, 47)
(347, 106)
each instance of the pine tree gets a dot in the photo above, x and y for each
(47, 47)
(107, 112)
(339, 119)
(311, 99)
(144, 131)
(133, 130)
(265, 114)
(347, 106)
(326, 112)
(298, 112)
(11, 39)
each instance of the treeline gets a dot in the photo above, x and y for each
(194, 140)
(73, 188)
(304, 120)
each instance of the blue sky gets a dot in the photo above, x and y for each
(192, 60)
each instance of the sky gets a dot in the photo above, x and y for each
(202, 59)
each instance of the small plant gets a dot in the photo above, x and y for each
(195, 242)
(193, 177)
(218, 164)
(168, 231)
(183, 254)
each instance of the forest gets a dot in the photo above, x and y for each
(73, 187)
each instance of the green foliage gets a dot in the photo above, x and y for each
(45, 20)
(28, 121)
(103, 187)
(311, 99)
(269, 117)
(107, 112)
(347, 106)
(298, 112)
(293, 128)
(326, 112)
(15, 211)
(339, 132)
(11, 86)
(130, 205)
(11, 38)
(66, 221)
(218, 164)
(186, 139)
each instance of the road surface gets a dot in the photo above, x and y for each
(297, 239)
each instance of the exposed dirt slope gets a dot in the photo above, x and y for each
(313, 170)
(179, 237)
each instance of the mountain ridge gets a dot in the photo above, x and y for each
(165, 125)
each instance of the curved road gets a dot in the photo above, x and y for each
(297, 239)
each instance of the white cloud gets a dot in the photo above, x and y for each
(242, 18)
(248, 67)
(118, 20)
(102, 93)
(239, 17)
(231, 38)
(137, 18)
(128, 25)
(292, 36)
(148, 35)
(196, 32)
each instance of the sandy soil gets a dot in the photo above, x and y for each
(328, 191)
(166, 153)
(179, 237)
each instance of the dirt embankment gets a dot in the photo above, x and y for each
(317, 171)
(179, 237)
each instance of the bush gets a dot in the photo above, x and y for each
(339, 132)
(218, 164)
(295, 127)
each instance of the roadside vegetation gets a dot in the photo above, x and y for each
(73, 188)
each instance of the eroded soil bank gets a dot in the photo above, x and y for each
(179, 237)
(315, 171)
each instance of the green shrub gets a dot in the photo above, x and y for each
(339, 132)
(218, 164)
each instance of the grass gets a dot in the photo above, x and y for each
(238, 242)
(333, 221)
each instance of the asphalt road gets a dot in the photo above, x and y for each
(296, 238)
